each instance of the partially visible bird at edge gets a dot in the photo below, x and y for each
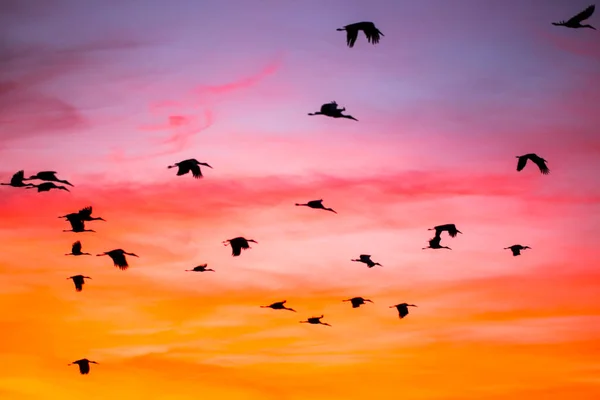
(575, 22)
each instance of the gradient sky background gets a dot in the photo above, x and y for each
(108, 93)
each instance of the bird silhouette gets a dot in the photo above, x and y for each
(366, 259)
(78, 280)
(238, 244)
(575, 22)
(85, 214)
(331, 110)
(201, 268)
(434, 243)
(46, 187)
(192, 165)
(84, 365)
(451, 228)
(315, 321)
(516, 249)
(49, 176)
(317, 204)
(17, 180)
(76, 250)
(537, 160)
(371, 32)
(77, 225)
(403, 309)
(279, 306)
(357, 301)
(118, 257)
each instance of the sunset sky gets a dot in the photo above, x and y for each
(109, 93)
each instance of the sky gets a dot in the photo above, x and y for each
(109, 93)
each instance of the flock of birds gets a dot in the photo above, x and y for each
(78, 219)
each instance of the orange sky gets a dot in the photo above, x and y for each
(426, 151)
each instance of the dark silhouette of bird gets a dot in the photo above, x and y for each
(77, 225)
(46, 187)
(575, 22)
(371, 32)
(317, 204)
(78, 280)
(84, 365)
(357, 301)
(85, 214)
(366, 258)
(76, 250)
(402, 309)
(49, 176)
(238, 244)
(451, 228)
(192, 165)
(434, 243)
(516, 249)
(315, 321)
(118, 257)
(537, 160)
(201, 268)
(331, 110)
(17, 180)
(279, 306)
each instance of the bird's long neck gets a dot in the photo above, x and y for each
(316, 113)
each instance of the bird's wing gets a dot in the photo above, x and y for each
(85, 212)
(120, 261)
(76, 247)
(235, 250)
(542, 166)
(18, 177)
(183, 169)
(521, 163)
(76, 224)
(196, 173)
(582, 16)
(351, 35)
(372, 34)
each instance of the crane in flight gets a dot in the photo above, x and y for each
(201, 268)
(575, 21)
(357, 301)
(371, 32)
(17, 180)
(76, 250)
(317, 204)
(450, 228)
(77, 225)
(315, 321)
(79, 281)
(191, 165)
(516, 249)
(46, 187)
(366, 259)
(280, 305)
(49, 176)
(434, 243)
(534, 158)
(238, 244)
(85, 214)
(332, 110)
(402, 309)
(118, 257)
(84, 365)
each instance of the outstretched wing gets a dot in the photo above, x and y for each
(236, 249)
(85, 212)
(18, 177)
(120, 261)
(76, 248)
(351, 36)
(521, 163)
(373, 34)
(582, 16)
(76, 223)
(196, 173)
(542, 166)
